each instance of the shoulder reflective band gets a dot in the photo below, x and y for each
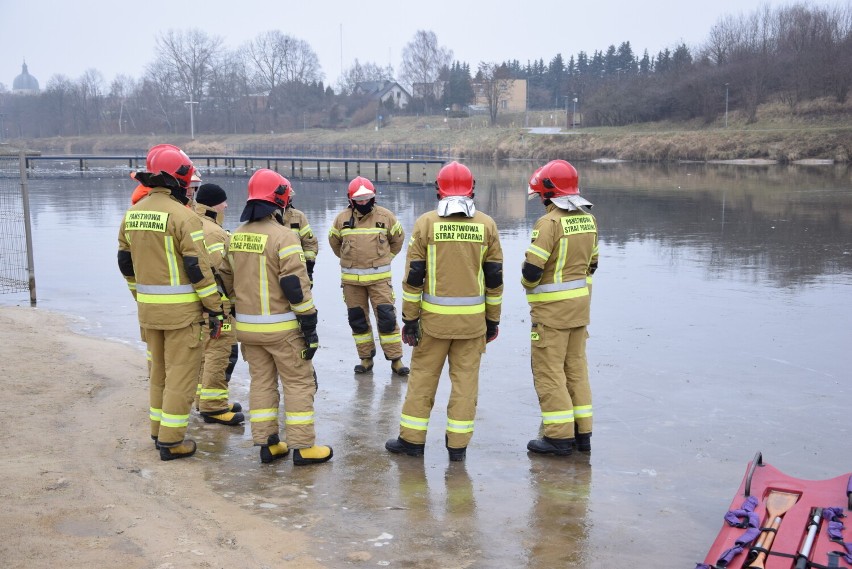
(447, 231)
(453, 304)
(165, 294)
(248, 242)
(572, 224)
(145, 221)
(266, 322)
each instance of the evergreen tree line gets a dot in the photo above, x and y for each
(274, 83)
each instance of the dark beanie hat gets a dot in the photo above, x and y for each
(210, 195)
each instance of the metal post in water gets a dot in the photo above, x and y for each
(25, 197)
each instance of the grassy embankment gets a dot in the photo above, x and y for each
(820, 130)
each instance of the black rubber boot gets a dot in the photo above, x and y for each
(456, 454)
(546, 445)
(273, 450)
(399, 368)
(400, 446)
(156, 442)
(235, 407)
(583, 442)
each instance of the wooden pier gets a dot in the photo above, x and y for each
(293, 166)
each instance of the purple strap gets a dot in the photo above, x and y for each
(744, 517)
(835, 531)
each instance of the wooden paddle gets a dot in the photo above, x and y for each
(777, 504)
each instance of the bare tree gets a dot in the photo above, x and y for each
(359, 73)
(423, 59)
(493, 83)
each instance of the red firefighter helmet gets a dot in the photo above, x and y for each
(171, 160)
(361, 189)
(535, 186)
(559, 178)
(454, 179)
(269, 186)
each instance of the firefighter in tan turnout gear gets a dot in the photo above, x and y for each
(161, 255)
(297, 221)
(556, 274)
(452, 297)
(264, 274)
(210, 203)
(367, 237)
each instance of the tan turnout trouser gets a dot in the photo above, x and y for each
(175, 361)
(358, 299)
(212, 383)
(561, 377)
(427, 363)
(267, 363)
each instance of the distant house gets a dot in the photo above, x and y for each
(384, 91)
(434, 90)
(513, 97)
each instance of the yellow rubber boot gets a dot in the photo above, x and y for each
(224, 418)
(183, 450)
(313, 455)
(273, 450)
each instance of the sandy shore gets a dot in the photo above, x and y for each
(82, 483)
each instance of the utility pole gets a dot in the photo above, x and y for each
(190, 102)
(726, 105)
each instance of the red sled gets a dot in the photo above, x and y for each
(780, 522)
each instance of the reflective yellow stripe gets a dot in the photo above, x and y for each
(560, 261)
(557, 417)
(583, 411)
(439, 309)
(305, 230)
(397, 228)
(207, 291)
(304, 307)
(527, 284)
(171, 260)
(155, 414)
(365, 278)
(287, 251)
(494, 299)
(362, 231)
(538, 252)
(362, 338)
(333, 232)
(416, 423)
(263, 286)
(197, 235)
(167, 298)
(430, 268)
(174, 421)
(310, 255)
(274, 327)
(213, 394)
(131, 285)
(558, 295)
(390, 339)
(215, 247)
(149, 358)
(412, 297)
(261, 415)
(454, 426)
(304, 418)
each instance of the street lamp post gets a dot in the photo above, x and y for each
(574, 114)
(726, 105)
(2, 116)
(190, 102)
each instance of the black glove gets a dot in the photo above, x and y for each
(593, 267)
(310, 267)
(215, 320)
(308, 325)
(492, 328)
(411, 332)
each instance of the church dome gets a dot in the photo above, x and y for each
(25, 83)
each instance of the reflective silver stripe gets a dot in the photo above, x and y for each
(556, 287)
(164, 289)
(370, 271)
(454, 300)
(265, 318)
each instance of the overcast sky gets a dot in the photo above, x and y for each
(70, 37)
